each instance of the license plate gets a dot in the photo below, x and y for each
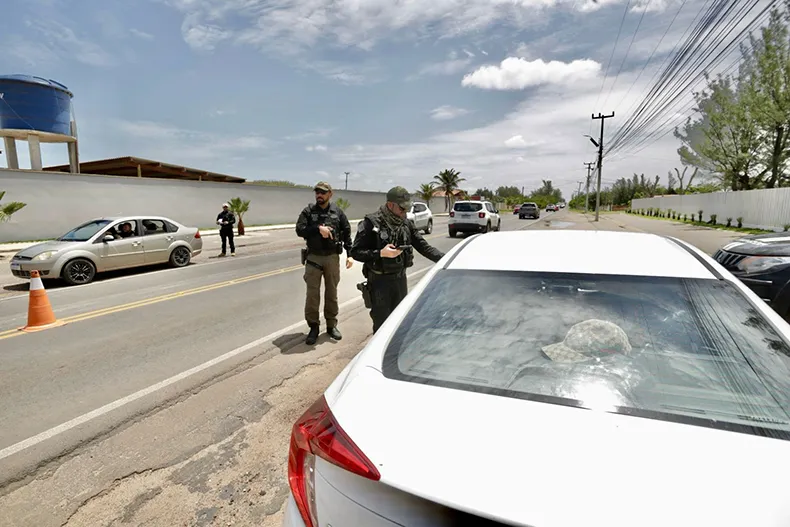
(466, 215)
(15, 267)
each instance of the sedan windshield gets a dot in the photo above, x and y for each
(687, 350)
(84, 232)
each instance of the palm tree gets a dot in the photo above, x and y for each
(448, 182)
(426, 191)
(238, 207)
(343, 203)
(7, 210)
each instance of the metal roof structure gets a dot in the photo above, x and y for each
(146, 168)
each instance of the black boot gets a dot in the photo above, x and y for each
(312, 336)
(334, 333)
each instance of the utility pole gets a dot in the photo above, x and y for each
(580, 187)
(587, 192)
(347, 173)
(603, 119)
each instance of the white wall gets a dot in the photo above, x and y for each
(763, 209)
(57, 202)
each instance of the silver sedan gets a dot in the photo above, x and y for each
(109, 244)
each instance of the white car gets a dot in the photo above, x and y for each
(473, 216)
(557, 378)
(421, 216)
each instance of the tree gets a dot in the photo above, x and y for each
(448, 180)
(724, 139)
(343, 203)
(767, 64)
(239, 207)
(682, 186)
(426, 191)
(485, 193)
(9, 209)
(509, 192)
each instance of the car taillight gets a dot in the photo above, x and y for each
(452, 214)
(481, 215)
(197, 234)
(316, 433)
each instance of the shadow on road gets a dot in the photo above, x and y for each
(293, 343)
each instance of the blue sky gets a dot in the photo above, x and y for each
(391, 90)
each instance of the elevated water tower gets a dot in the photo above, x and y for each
(38, 111)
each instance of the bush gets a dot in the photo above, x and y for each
(787, 227)
(684, 217)
(739, 219)
(729, 222)
(700, 215)
(712, 219)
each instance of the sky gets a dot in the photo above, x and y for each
(392, 91)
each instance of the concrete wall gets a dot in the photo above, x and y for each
(763, 209)
(57, 202)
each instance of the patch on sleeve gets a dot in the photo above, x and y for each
(361, 226)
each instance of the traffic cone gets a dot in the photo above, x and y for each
(39, 310)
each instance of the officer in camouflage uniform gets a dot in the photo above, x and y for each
(376, 245)
(325, 228)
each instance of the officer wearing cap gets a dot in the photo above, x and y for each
(225, 220)
(377, 243)
(326, 230)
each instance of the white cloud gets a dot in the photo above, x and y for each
(141, 34)
(179, 145)
(202, 37)
(63, 42)
(517, 141)
(316, 148)
(310, 134)
(302, 24)
(517, 74)
(322, 173)
(446, 112)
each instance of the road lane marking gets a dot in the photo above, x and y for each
(118, 403)
(155, 300)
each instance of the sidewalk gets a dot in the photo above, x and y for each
(15, 247)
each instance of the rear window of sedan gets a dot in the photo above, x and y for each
(700, 352)
(467, 207)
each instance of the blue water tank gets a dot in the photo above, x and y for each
(33, 103)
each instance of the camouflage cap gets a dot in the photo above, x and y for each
(587, 339)
(400, 196)
(323, 185)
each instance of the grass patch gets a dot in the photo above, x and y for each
(745, 230)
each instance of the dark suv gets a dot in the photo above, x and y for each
(762, 263)
(529, 210)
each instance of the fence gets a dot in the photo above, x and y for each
(762, 209)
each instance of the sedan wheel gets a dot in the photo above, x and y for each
(180, 257)
(429, 228)
(78, 272)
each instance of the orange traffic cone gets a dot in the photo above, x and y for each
(39, 311)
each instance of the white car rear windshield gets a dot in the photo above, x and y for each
(467, 207)
(699, 351)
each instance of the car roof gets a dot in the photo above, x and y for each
(133, 216)
(580, 251)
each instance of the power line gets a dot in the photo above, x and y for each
(614, 48)
(627, 51)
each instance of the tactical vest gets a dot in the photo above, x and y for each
(331, 218)
(384, 237)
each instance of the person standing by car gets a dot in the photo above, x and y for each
(327, 233)
(226, 219)
(384, 244)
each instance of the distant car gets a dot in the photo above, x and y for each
(473, 216)
(106, 244)
(529, 210)
(421, 216)
(635, 358)
(761, 262)
(562, 205)
(516, 209)
(552, 208)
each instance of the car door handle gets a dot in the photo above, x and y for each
(169, 238)
(135, 244)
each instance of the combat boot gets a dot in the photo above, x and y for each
(312, 336)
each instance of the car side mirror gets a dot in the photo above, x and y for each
(108, 238)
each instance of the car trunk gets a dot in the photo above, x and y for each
(528, 463)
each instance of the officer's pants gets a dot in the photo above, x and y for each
(386, 292)
(227, 237)
(312, 277)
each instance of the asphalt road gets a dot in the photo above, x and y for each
(90, 438)
(127, 333)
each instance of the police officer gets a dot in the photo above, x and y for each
(225, 220)
(325, 228)
(376, 244)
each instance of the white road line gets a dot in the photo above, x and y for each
(107, 408)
